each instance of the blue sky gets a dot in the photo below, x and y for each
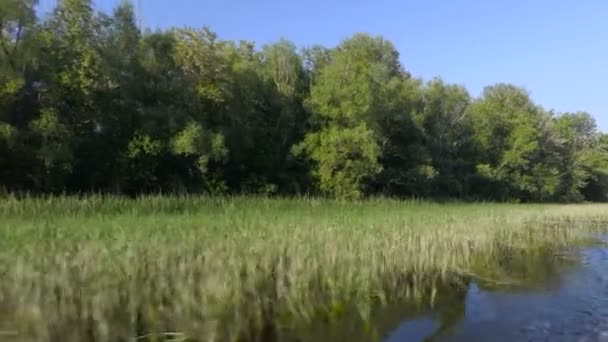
(557, 49)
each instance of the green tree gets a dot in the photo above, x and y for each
(583, 160)
(356, 93)
(17, 20)
(17, 92)
(509, 133)
(314, 59)
(407, 163)
(73, 80)
(284, 117)
(447, 136)
(344, 158)
(90, 103)
(203, 80)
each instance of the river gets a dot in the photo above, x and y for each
(567, 303)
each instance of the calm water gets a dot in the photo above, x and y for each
(563, 300)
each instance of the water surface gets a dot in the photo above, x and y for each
(563, 300)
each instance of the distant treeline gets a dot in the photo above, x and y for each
(89, 104)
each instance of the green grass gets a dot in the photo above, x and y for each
(227, 269)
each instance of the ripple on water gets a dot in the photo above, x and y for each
(575, 309)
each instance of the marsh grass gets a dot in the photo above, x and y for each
(252, 269)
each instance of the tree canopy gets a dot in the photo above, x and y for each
(88, 103)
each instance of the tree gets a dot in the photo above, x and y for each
(344, 158)
(17, 92)
(447, 135)
(17, 20)
(509, 131)
(355, 93)
(407, 163)
(315, 58)
(584, 162)
(195, 139)
(284, 116)
(73, 80)
(90, 103)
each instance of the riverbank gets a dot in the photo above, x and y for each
(217, 269)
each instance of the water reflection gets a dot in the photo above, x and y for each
(538, 297)
(516, 295)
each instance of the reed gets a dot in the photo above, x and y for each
(244, 268)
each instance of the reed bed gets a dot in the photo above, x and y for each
(247, 268)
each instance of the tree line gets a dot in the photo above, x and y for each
(88, 103)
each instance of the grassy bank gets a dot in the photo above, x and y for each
(218, 269)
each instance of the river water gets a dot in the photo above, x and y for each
(566, 303)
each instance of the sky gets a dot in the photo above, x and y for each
(556, 49)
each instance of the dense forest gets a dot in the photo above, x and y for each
(89, 103)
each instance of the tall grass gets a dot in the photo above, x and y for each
(246, 268)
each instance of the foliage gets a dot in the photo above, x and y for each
(88, 103)
(344, 158)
